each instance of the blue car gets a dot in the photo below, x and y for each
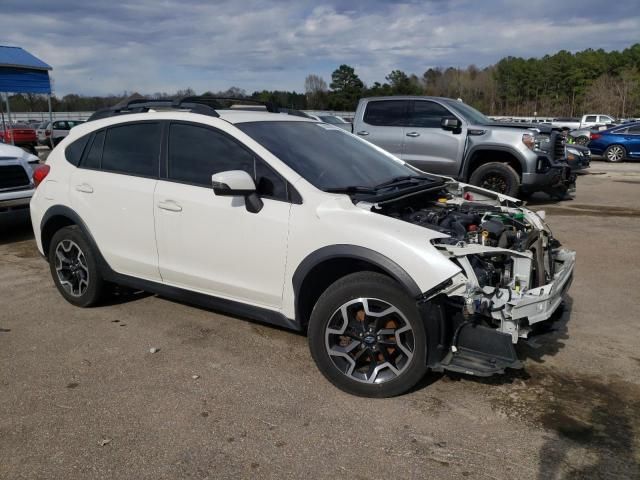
(617, 143)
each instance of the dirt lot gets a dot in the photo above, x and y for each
(82, 397)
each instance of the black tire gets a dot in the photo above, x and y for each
(398, 369)
(615, 153)
(71, 243)
(582, 140)
(496, 176)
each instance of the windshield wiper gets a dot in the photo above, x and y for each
(401, 179)
(350, 189)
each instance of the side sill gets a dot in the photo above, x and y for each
(222, 305)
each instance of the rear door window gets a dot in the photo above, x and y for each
(590, 118)
(133, 149)
(389, 113)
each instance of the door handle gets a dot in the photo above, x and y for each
(84, 188)
(362, 133)
(170, 205)
(413, 134)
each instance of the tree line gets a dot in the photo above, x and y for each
(563, 84)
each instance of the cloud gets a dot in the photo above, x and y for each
(164, 45)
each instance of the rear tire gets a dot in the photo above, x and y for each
(367, 336)
(615, 153)
(74, 268)
(498, 177)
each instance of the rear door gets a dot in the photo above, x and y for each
(382, 124)
(427, 145)
(112, 191)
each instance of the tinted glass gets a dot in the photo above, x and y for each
(590, 118)
(635, 130)
(196, 153)
(330, 119)
(386, 113)
(73, 153)
(133, 149)
(427, 114)
(326, 156)
(94, 156)
(470, 114)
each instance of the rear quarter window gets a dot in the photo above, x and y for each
(73, 152)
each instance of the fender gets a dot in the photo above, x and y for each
(465, 173)
(358, 253)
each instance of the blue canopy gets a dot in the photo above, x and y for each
(21, 72)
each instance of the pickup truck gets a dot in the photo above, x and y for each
(587, 121)
(448, 137)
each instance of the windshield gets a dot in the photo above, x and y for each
(469, 113)
(330, 119)
(327, 157)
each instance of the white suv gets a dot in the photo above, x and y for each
(300, 224)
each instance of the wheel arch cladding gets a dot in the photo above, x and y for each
(60, 216)
(326, 265)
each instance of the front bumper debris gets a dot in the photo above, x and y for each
(512, 310)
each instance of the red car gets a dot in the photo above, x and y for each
(22, 136)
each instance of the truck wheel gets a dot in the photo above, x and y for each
(367, 336)
(499, 177)
(615, 153)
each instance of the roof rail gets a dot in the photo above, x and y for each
(142, 105)
(203, 104)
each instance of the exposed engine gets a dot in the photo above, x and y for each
(473, 223)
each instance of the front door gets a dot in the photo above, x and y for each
(427, 145)
(212, 244)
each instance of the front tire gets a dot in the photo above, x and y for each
(498, 177)
(615, 153)
(74, 268)
(367, 337)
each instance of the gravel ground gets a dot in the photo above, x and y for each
(82, 397)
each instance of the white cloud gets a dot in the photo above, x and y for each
(151, 46)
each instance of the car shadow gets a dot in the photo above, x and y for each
(15, 227)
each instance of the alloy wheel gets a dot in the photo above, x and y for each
(71, 268)
(369, 340)
(615, 153)
(494, 182)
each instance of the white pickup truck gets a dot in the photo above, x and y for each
(587, 121)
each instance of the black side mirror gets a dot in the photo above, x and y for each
(237, 183)
(450, 123)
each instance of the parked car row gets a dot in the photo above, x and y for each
(29, 135)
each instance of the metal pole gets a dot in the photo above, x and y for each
(4, 125)
(50, 120)
(9, 115)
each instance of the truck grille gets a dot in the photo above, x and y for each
(558, 141)
(12, 177)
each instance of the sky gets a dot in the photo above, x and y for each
(107, 47)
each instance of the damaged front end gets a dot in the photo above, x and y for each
(513, 274)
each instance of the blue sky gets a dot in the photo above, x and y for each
(99, 47)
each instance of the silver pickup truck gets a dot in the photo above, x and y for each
(16, 178)
(448, 137)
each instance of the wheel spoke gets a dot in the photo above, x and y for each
(380, 341)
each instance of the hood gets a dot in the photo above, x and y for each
(12, 152)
